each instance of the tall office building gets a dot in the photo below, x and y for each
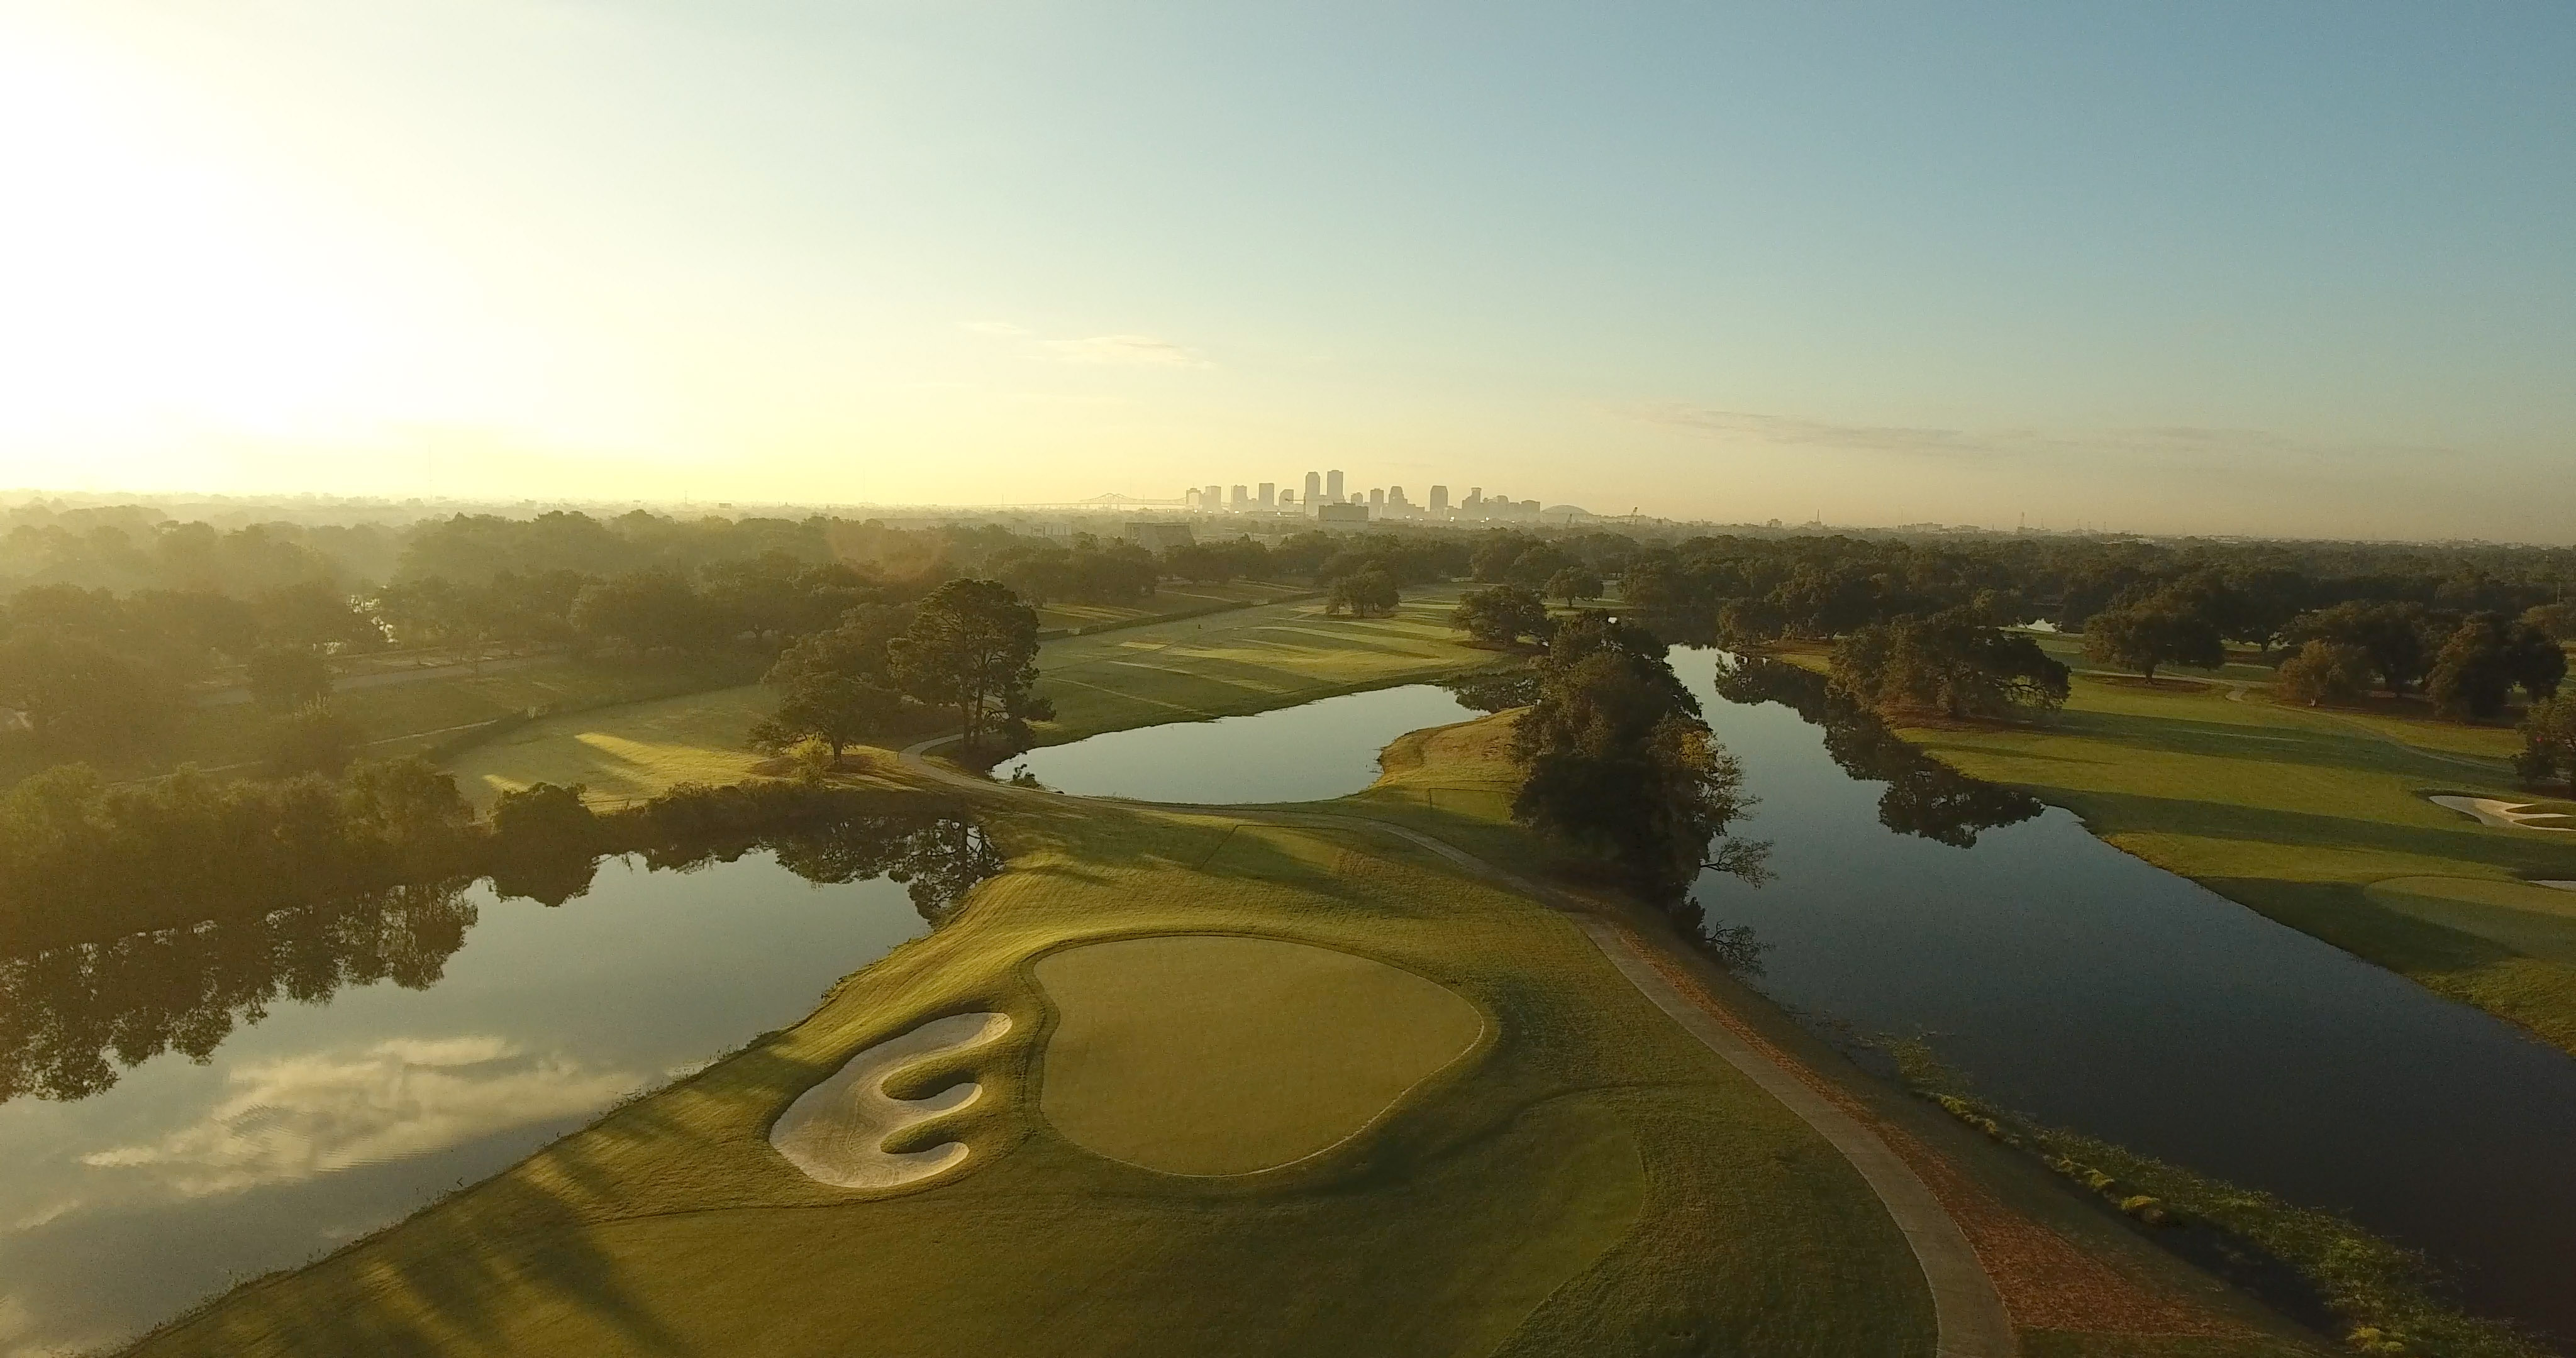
(1314, 486)
(1242, 499)
(1333, 487)
(1269, 494)
(1377, 498)
(1212, 499)
(1439, 501)
(1395, 495)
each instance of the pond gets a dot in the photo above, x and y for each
(1326, 748)
(361, 1060)
(2062, 977)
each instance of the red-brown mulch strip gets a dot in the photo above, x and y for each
(2045, 1281)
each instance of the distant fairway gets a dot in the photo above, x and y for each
(1221, 1054)
(622, 754)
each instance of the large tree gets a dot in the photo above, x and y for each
(2473, 674)
(2146, 632)
(1501, 615)
(1369, 593)
(2549, 742)
(2393, 633)
(972, 648)
(1953, 663)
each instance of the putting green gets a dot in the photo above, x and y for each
(1223, 1054)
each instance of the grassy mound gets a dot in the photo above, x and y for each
(1224, 1054)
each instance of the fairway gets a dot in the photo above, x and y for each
(1248, 660)
(622, 754)
(1223, 1054)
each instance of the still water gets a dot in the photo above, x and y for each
(444, 1034)
(2081, 986)
(1326, 748)
(2061, 976)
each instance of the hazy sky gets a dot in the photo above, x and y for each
(2230, 267)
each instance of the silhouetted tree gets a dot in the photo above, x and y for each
(972, 648)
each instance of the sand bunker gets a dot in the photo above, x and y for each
(2505, 815)
(2563, 886)
(1219, 1054)
(836, 1131)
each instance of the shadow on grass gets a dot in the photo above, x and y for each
(2114, 813)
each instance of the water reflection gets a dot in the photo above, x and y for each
(71, 1017)
(194, 1105)
(1924, 796)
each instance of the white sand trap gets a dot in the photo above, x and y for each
(836, 1131)
(2563, 886)
(2505, 815)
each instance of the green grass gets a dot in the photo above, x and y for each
(1224, 1054)
(1165, 602)
(1595, 1183)
(1245, 660)
(2297, 812)
(1250, 660)
(622, 754)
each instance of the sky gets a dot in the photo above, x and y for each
(2263, 268)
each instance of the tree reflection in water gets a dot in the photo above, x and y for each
(72, 1018)
(1924, 796)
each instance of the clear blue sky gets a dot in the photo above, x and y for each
(2222, 267)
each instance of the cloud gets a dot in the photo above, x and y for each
(1128, 350)
(306, 1115)
(1131, 349)
(2166, 445)
(1784, 429)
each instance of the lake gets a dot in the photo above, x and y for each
(362, 1060)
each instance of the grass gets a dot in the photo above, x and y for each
(1223, 1054)
(2311, 818)
(1244, 660)
(1596, 1182)
(622, 754)
(1167, 601)
(1250, 660)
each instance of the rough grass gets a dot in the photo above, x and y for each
(2297, 814)
(1597, 1183)
(1225, 1054)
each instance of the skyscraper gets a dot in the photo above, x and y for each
(1333, 487)
(1269, 494)
(1314, 486)
(1439, 501)
(1212, 499)
(1377, 498)
(1242, 499)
